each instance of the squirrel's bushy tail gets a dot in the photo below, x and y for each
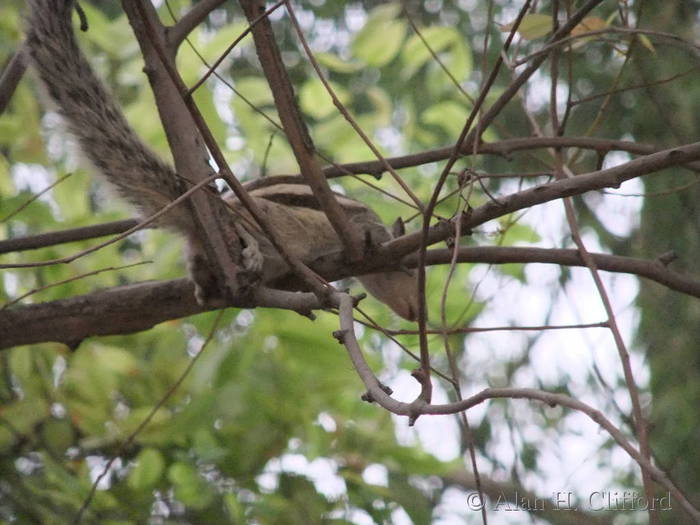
(92, 115)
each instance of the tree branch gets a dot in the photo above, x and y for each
(295, 128)
(503, 148)
(11, 76)
(125, 310)
(607, 178)
(652, 270)
(215, 233)
(128, 309)
(376, 392)
(200, 11)
(42, 240)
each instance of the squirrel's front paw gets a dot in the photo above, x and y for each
(252, 256)
(252, 259)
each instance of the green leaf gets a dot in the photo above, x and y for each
(204, 99)
(147, 471)
(518, 232)
(380, 40)
(58, 435)
(446, 42)
(532, 26)
(104, 32)
(206, 446)
(448, 115)
(646, 42)
(335, 63)
(21, 364)
(256, 90)
(316, 101)
(72, 195)
(212, 48)
(234, 508)
(413, 501)
(383, 106)
(190, 488)
(25, 413)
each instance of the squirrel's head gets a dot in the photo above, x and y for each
(398, 290)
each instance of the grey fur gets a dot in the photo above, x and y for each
(149, 184)
(92, 116)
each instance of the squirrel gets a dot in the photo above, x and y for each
(149, 183)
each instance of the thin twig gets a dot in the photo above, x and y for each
(70, 280)
(35, 197)
(515, 328)
(139, 226)
(418, 407)
(669, 37)
(233, 44)
(346, 114)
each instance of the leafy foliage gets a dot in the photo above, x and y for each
(267, 427)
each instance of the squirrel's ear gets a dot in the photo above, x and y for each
(398, 229)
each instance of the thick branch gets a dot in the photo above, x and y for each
(607, 178)
(124, 310)
(295, 127)
(215, 232)
(652, 270)
(128, 309)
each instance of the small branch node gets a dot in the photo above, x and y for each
(415, 410)
(369, 398)
(667, 257)
(83, 18)
(357, 298)
(340, 336)
(307, 313)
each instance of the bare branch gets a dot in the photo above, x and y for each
(669, 38)
(652, 270)
(227, 234)
(195, 16)
(607, 178)
(138, 226)
(503, 148)
(12, 74)
(124, 310)
(128, 309)
(377, 392)
(42, 240)
(295, 128)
